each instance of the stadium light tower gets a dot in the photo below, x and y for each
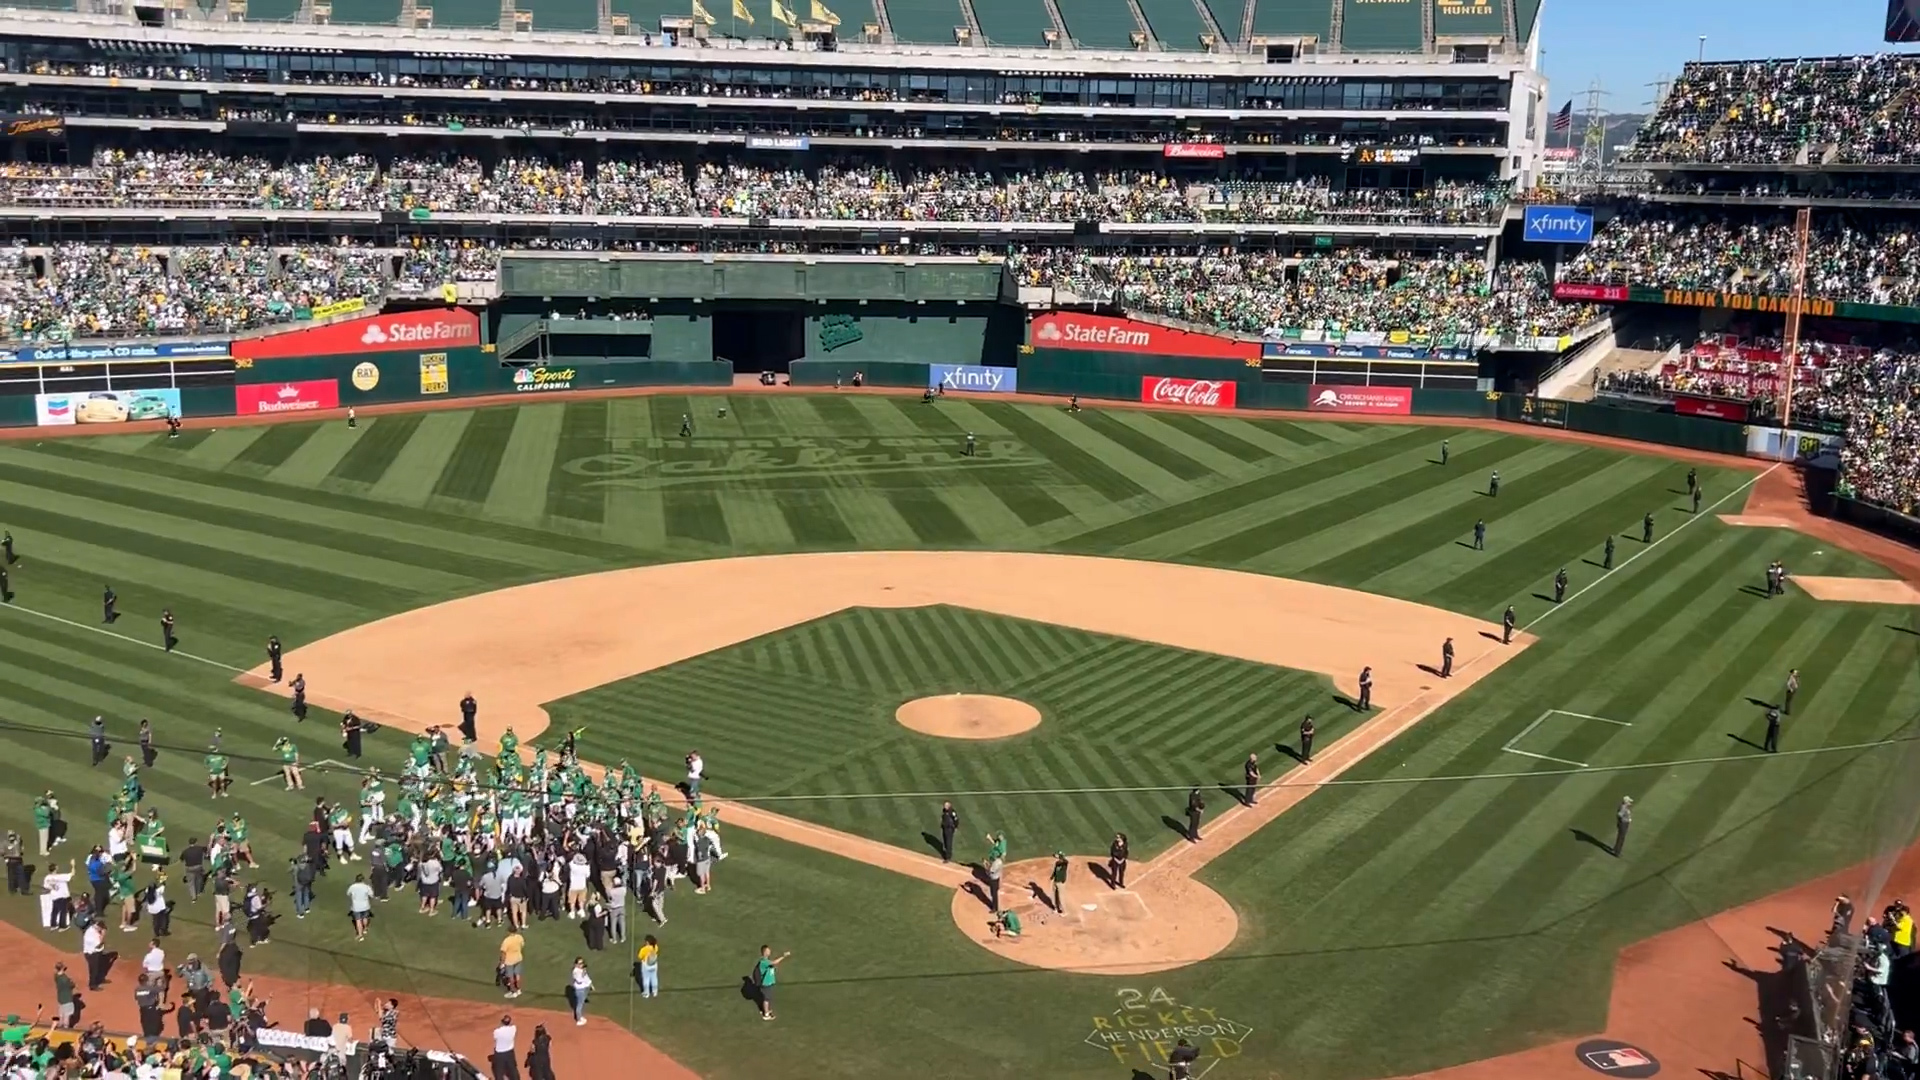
(1701, 56)
(1593, 140)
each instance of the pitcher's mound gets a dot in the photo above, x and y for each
(1155, 924)
(1849, 590)
(968, 716)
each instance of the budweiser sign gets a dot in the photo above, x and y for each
(1193, 150)
(1192, 393)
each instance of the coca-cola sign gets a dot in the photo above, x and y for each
(1190, 393)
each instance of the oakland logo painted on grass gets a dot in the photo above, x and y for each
(1145, 1029)
(694, 461)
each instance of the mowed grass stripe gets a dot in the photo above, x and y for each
(1083, 467)
(1084, 431)
(1214, 503)
(1020, 490)
(417, 466)
(315, 459)
(469, 471)
(373, 453)
(754, 521)
(1205, 429)
(221, 446)
(1325, 514)
(813, 518)
(276, 443)
(312, 520)
(635, 514)
(525, 474)
(210, 532)
(1180, 441)
(693, 513)
(583, 433)
(933, 522)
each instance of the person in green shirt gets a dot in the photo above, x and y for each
(218, 779)
(43, 822)
(765, 972)
(127, 897)
(290, 764)
(1005, 924)
(237, 831)
(510, 744)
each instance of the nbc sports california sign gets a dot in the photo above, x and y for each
(1103, 333)
(433, 329)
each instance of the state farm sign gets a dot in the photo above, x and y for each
(1104, 333)
(1192, 393)
(434, 328)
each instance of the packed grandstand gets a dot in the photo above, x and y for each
(1222, 173)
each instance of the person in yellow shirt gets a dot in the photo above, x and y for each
(647, 966)
(1902, 929)
(513, 954)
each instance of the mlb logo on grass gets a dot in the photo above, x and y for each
(985, 380)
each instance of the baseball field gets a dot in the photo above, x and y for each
(1065, 632)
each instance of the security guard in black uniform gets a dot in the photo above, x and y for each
(6, 587)
(1306, 739)
(273, 657)
(108, 601)
(1480, 535)
(1646, 528)
(1607, 559)
(147, 752)
(949, 824)
(166, 629)
(469, 708)
(1506, 626)
(1446, 659)
(1560, 585)
(1366, 690)
(1196, 810)
(1693, 480)
(300, 697)
(1493, 485)
(1772, 744)
(97, 735)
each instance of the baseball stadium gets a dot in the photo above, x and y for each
(1077, 538)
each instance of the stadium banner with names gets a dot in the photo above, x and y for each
(1818, 307)
(1546, 412)
(340, 307)
(182, 350)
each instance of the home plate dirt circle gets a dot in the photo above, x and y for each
(1158, 923)
(968, 716)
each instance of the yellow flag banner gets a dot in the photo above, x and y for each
(822, 14)
(702, 15)
(740, 11)
(782, 15)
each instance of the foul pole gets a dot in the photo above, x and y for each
(1802, 222)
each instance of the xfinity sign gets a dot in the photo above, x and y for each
(1557, 225)
(985, 380)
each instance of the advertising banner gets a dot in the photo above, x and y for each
(52, 354)
(1557, 225)
(1193, 150)
(1197, 393)
(45, 127)
(1078, 330)
(1711, 407)
(105, 407)
(777, 142)
(1581, 290)
(1371, 400)
(431, 328)
(433, 373)
(1546, 412)
(537, 379)
(986, 380)
(340, 307)
(258, 399)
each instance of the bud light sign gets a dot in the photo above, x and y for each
(1557, 225)
(1193, 393)
(985, 380)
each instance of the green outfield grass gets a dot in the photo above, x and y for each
(809, 712)
(1386, 925)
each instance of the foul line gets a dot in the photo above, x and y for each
(1510, 747)
(123, 637)
(321, 765)
(1629, 561)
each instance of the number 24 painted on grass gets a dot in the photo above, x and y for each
(1134, 999)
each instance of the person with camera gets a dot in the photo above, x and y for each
(506, 1065)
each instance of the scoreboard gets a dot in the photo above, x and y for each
(1903, 21)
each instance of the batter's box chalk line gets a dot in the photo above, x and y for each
(1513, 743)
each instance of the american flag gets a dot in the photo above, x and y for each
(1563, 120)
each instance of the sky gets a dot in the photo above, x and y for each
(1627, 44)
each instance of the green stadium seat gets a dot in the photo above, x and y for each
(273, 10)
(925, 21)
(1381, 26)
(366, 12)
(1098, 24)
(1013, 22)
(464, 14)
(579, 16)
(1526, 13)
(1176, 23)
(1292, 18)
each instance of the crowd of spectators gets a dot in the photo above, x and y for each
(1254, 292)
(29, 1052)
(642, 188)
(1878, 397)
(87, 290)
(1843, 110)
(1862, 261)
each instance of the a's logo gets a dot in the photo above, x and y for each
(1049, 331)
(366, 376)
(837, 331)
(374, 335)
